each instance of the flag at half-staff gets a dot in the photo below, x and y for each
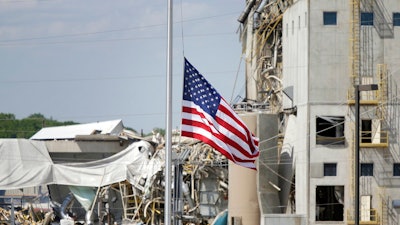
(206, 116)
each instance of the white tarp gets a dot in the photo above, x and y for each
(26, 163)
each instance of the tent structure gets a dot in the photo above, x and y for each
(27, 163)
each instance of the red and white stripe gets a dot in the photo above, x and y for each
(226, 132)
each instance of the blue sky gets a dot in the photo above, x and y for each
(98, 60)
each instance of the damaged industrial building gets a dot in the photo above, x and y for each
(321, 95)
(103, 173)
(329, 71)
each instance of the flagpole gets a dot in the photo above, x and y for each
(168, 145)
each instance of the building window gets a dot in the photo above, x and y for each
(396, 19)
(367, 19)
(330, 130)
(329, 169)
(396, 169)
(330, 18)
(366, 131)
(367, 169)
(329, 203)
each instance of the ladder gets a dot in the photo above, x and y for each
(383, 91)
(129, 201)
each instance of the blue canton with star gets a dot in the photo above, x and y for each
(199, 91)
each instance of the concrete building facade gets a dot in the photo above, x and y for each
(304, 59)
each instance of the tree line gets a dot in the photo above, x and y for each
(11, 127)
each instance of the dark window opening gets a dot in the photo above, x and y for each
(330, 18)
(329, 169)
(366, 131)
(367, 19)
(330, 130)
(396, 19)
(329, 203)
(367, 169)
(396, 169)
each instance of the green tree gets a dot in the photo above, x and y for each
(36, 116)
(8, 116)
(10, 127)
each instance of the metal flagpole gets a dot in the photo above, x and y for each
(168, 145)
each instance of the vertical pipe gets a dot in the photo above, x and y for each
(357, 157)
(12, 219)
(168, 146)
(177, 194)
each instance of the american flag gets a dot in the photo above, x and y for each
(206, 116)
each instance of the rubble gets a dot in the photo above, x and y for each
(199, 191)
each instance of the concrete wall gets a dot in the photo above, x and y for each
(316, 62)
(295, 52)
(279, 219)
(386, 51)
(295, 44)
(329, 73)
(339, 154)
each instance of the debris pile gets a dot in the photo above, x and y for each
(25, 216)
(200, 190)
(127, 187)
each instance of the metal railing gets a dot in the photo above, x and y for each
(367, 216)
(371, 98)
(370, 139)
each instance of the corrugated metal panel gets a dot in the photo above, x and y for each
(69, 132)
